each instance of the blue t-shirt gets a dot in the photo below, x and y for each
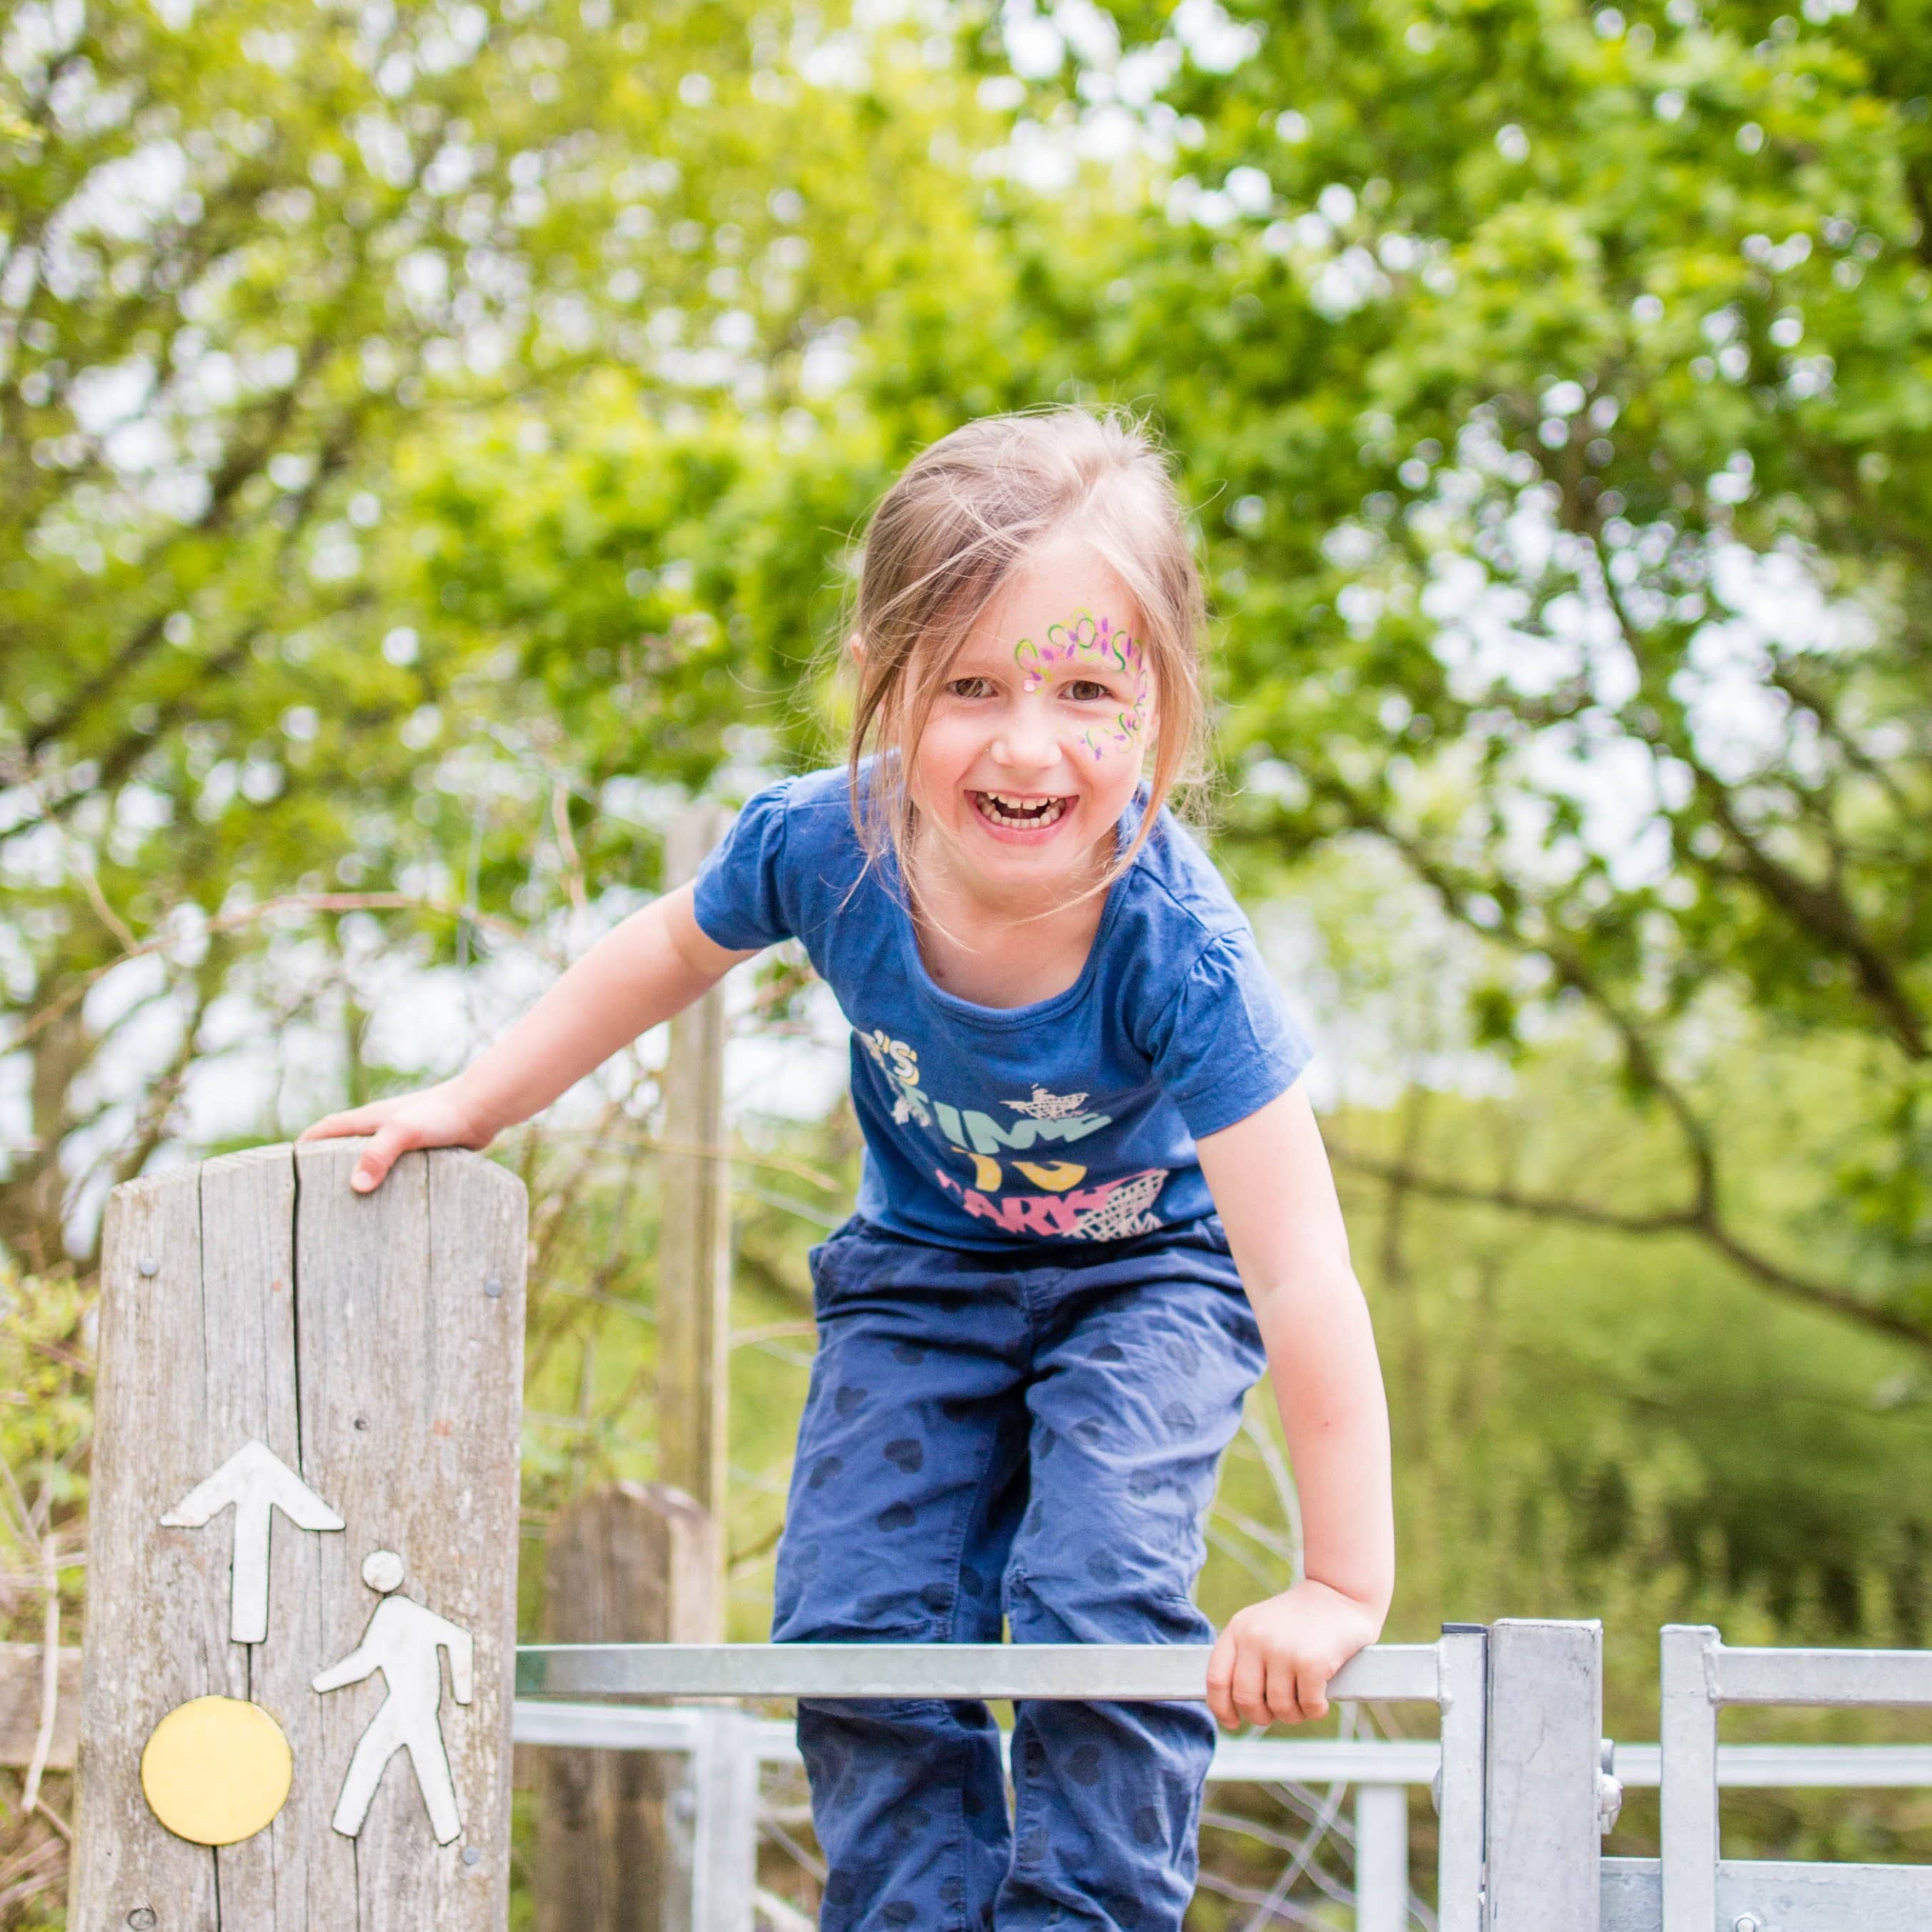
(1073, 1118)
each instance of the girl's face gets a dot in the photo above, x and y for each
(1036, 740)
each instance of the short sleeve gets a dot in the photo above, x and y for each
(1226, 1046)
(741, 900)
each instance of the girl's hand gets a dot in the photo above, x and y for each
(440, 1116)
(1273, 1663)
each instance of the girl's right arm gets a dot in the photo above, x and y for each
(652, 965)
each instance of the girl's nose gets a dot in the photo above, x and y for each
(1025, 740)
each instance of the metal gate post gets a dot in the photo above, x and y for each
(724, 1831)
(1463, 1693)
(1545, 1735)
(1687, 1803)
(1381, 1858)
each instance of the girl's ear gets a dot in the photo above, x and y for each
(855, 648)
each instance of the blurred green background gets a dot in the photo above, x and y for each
(432, 441)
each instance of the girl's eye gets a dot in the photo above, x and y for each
(969, 687)
(1086, 690)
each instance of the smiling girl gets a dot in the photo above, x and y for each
(1094, 1204)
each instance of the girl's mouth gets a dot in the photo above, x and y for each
(1018, 814)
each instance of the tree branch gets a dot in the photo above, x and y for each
(1456, 894)
(1821, 910)
(1701, 1224)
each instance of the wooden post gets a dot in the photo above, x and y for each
(693, 1297)
(22, 1680)
(631, 1564)
(273, 1346)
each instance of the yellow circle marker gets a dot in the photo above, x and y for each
(216, 1770)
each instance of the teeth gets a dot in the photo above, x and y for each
(1004, 810)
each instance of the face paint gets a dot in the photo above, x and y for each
(1095, 643)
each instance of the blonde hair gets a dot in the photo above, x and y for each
(965, 516)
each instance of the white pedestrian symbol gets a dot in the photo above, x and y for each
(256, 1480)
(401, 1642)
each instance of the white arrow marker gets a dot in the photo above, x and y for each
(255, 1480)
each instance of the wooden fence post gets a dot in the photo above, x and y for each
(274, 1345)
(631, 1564)
(23, 1684)
(694, 1297)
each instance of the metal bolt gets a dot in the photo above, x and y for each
(471, 1856)
(142, 1916)
(493, 1288)
(1748, 1921)
(1610, 1804)
(362, 1422)
(150, 1268)
(1609, 1787)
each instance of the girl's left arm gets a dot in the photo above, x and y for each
(1270, 1177)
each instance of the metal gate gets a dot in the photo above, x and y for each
(1523, 1779)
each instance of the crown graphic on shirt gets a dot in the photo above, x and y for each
(1123, 1212)
(1045, 1106)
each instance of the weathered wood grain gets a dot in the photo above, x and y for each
(693, 1300)
(634, 1563)
(20, 1705)
(410, 1378)
(156, 1629)
(250, 1316)
(357, 1337)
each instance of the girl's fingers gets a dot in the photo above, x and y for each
(332, 1125)
(1220, 1674)
(1311, 1690)
(1249, 1689)
(1283, 1705)
(379, 1157)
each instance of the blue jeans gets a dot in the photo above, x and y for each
(1032, 1433)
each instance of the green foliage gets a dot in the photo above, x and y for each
(46, 1425)
(1558, 384)
(431, 441)
(382, 395)
(46, 1404)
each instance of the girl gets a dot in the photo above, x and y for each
(1095, 1201)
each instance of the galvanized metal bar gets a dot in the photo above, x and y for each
(1813, 1677)
(1365, 1761)
(1627, 1894)
(1545, 1726)
(1778, 1897)
(1394, 1672)
(1396, 1761)
(724, 1860)
(681, 1786)
(619, 1727)
(1381, 1858)
(1795, 1767)
(1786, 1896)
(1687, 1800)
(1402, 1761)
(1458, 1788)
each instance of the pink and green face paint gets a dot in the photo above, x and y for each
(1087, 645)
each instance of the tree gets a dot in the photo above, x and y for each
(273, 274)
(1554, 388)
